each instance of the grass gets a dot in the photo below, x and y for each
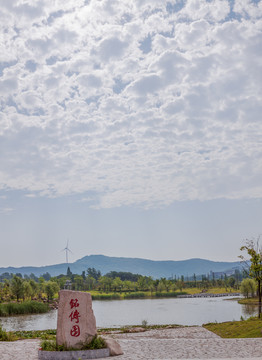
(250, 328)
(6, 336)
(249, 301)
(27, 307)
(96, 343)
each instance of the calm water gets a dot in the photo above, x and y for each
(192, 311)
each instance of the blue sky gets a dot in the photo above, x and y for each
(131, 128)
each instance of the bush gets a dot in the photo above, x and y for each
(96, 343)
(6, 336)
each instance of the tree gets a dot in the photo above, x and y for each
(255, 269)
(34, 287)
(69, 272)
(248, 287)
(117, 284)
(79, 281)
(46, 276)
(51, 287)
(27, 290)
(90, 281)
(105, 282)
(17, 287)
(96, 274)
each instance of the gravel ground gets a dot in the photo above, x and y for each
(177, 343)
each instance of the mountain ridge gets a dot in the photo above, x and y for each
(154, 268)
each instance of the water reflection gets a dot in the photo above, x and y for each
(30, 322)
(250, 310)
(188, 311)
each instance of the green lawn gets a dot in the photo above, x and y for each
(250, 328)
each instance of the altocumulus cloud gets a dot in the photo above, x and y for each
(135, 102)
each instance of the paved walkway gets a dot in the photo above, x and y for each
(178, 343)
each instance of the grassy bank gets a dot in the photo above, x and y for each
(27, 307)
(249, 301)
(135, 295)
(97, 295)
(250, 328)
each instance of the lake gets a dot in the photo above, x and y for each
(114, 313)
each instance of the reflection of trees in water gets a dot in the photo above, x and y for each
(250, 310)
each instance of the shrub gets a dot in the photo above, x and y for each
(6, 336)
(96, 343)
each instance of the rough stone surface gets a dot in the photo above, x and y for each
(76, 323)
(181, 343)
(73, 355)
(114, 347)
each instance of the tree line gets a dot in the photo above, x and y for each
(18, 287)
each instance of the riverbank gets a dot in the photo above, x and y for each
(168, 343)
(187, 292)
(136, 295)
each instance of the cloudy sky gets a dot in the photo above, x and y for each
(131, 128)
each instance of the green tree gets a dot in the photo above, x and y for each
(17, 287)
(91, 282)
(51, 287)
(68, 273)
(34, 287)
(96, 274)
(46, 276)
(27, 290)
(78, 281)
(117, 284)
(248, 287)
(254, 252)
(41, 287)
(161, 286)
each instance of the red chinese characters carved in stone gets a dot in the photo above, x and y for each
(75, 331)
(74, 316)
(74, 303)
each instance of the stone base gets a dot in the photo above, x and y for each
(73, 355)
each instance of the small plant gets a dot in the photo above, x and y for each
(96, 343)
(6, 336)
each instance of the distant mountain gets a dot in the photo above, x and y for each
(153, 268)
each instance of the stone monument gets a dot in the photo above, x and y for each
(76, 323)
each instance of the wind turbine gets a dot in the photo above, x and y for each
(66, 249)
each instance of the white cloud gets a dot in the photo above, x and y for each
(143, 103)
